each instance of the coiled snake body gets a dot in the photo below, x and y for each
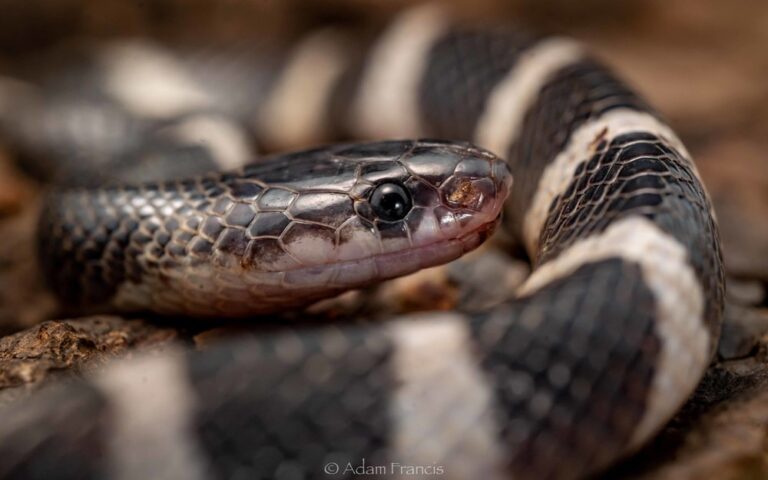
(608, 336)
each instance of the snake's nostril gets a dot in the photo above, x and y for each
(468, 193)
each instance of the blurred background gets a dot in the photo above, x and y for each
(702, 63)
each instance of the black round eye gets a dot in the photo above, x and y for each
(390, 202)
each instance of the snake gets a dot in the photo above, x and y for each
(600, 347)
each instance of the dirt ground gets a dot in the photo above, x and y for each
(702, 63)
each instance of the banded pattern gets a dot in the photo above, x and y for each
(608, 337)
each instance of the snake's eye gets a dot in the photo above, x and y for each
(390, 202)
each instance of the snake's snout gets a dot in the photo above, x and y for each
(478, 191)
(474, 195)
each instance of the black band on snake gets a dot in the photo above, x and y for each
(606, 339)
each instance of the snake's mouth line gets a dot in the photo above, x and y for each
(444, 251)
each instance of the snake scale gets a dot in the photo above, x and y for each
(605, 340)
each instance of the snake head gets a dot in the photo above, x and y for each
(409, 205)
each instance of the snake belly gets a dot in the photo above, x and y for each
(604, 342)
